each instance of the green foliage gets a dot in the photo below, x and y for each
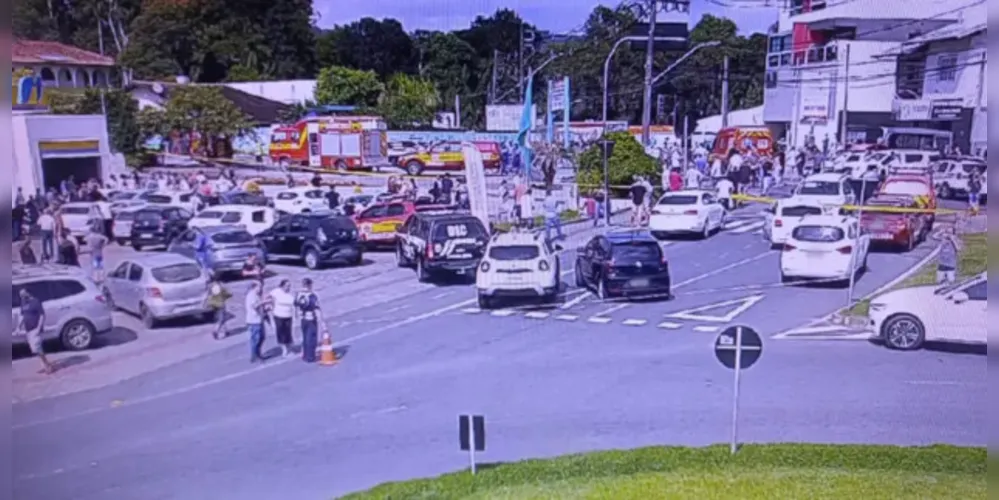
(244, 73)
(195, 109)
(368, 44)
(338, 85)
(814, 464)
(627, 160)
(122, 113)
(409, 102)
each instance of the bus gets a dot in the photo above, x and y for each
(916, 138)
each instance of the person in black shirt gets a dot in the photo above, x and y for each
(26, 253)
(332, 198)
(447, 185)
(17, 216)
(637, 193)
(317, 180)
(69, 254)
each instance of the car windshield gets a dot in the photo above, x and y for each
(907, 188)
(973, 167)
(287, 196)
(158, 198)
(818, 234)
(75, 210)
(122, 196)
(123, 216)
(209, 214)
(679, 200)
(822, 188)
(800, 211)
(339, 223)
(514, 252)
(230, 237)
(636, 251)
(458, 229)
(177, 273)
(360, 200)
(154, 215)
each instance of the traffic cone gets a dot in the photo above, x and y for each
(327, 357)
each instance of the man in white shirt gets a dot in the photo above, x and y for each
(725, 189)
(47, 225)
(283, 312)
(254, 305)
(692, 178)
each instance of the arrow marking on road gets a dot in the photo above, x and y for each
(472, 310)
(567, 317)
(599, 320)
(574, 302)
(742, 305)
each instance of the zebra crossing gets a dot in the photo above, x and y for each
(743, 226)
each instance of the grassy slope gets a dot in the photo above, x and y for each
(790, 471)
(973, 260)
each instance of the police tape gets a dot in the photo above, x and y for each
(276, 168)
(923, 206)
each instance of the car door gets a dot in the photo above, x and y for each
(114, 281)
(714, 212)
(861, 242)
(259, 220)
(960, 315)
(134, 289)
(273, 238)
(298, 232)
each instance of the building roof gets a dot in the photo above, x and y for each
(36, 52)
(260, 110)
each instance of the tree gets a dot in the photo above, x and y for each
(369, 44)
(627, 160)
(202, 111)
(409, 102)
(337, 85)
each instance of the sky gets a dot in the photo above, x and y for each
(559, 16)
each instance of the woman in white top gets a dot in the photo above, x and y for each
(282, 312)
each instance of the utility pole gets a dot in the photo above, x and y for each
(649, 52)
(846, 95)
(724, 97)
(457, 111)
(520, 63)
(492, 86)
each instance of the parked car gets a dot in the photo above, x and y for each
(317, 239)
(436, 242)
(158, 287)
(299, 200)
(950, 175)
(379, 222)
(623, 263)
(784, 215)
(121, 226)
(158, 225)
(518, 265)
(908, 318)
(228, 247)
(255, 219)
(831, 190)
(188, 201)
(79, 217)
(239, 197)
(76, 312)
(824, 247)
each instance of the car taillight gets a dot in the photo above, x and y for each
(543, 266)
(778, 223)
(484, 267)
(690, 212)
(788, 247)
(430, 251)
(154, 292)
(847, 250)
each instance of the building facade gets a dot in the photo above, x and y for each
(832, 66)
(37, 65)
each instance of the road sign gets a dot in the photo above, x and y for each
(738, 347)
(557, 97)
(472, 435)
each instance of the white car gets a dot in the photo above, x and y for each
(905, 319)
(518, 264)
(824, 247)
(187, 201)
(121, 227)
(784, 215)
(300, 200)
(690, 211)
(254, 219)
(831, 190)
(77, 216)
(950, 176)
(915, 158)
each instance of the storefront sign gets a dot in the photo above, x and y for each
(912, 110)
(69, 149)
(946, 109)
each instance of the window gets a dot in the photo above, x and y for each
(78, 210)
(708, 199)
(636, 251)
(818, 234)
(913, 158)
(121, 271)
(134, 273)
(184, 214)
(947, 68)
(819, 188)
(800, 211)
(978, 291)
(515, 252)
(770, 79)
(678, 200)
(258, 216)
(158, 198)
(124, 216)
(906, 188)
(287, 196)
(209, 214)
(177, 273)
(60, 289)
(298, 224)
(38, 290)
(316, 194)
(374, 212)
(232, 218)
(185, 198)
(231, 237)
(396, 209)
(149, 215)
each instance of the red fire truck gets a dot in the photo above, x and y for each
(332, 142)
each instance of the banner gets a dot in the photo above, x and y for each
(475, 175)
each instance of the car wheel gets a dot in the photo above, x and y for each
(602, 289)
(785, 278)
(400, 259)
(580, 279)
(77, 335)
(284, 164)
(341, 166)
(137, 248)
(706, 230)
(421, 272)
(485, 302)
(148, 320)
(311, 258)
(414, 168)
(903, 332)
(121, 242)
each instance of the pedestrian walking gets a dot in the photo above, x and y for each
(218, 296)
(600, 200)
(947, 260)
(32, 326)
(974, 191)
(254, 306)
(26, 253)
(47, 226)
(96, 242)
(253, 269)
(310, 316)
(283, 314)
(552, 217)
(69, 252)
(637, 192)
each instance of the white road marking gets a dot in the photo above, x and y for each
(942, 382)
(397, 308)
(747, 228)
(670, 326)
(574, 302)
(743, 303)
(612, 309)
(707, 329)
(471, 310)
(599, 320)
(502, 313)
(567, 317)
(441, 295)
(815, 329)
(848, 337)
(536, 315)
(634, 322)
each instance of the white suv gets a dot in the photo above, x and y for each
(950, 176)
(75, 309)
(518, 265)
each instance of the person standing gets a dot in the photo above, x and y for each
(254, 306)
(253, 269)
(310, 317)
(96, 243)
(527, 208)
(283, 314)
(32, 325)
(47, 227)
(947, 260)
(17, 217)
(332, 198)
(693, 178)
(725, 189)
(552, 218)
(637, 192)
(600, 200)
(26, 253)
(974, 191)
(69, 253)
(216, 301)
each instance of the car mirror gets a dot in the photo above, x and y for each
(558, 248)
(959, 297)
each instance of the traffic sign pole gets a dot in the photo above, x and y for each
(735, 392)
(738, 348)
(471, 448)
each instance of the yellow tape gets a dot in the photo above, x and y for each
(227, 161)
(867, 208)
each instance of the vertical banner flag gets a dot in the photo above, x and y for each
(475, 176)
(566, 107)
(550, 113)
(524, 135)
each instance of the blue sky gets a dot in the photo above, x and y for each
(554, 15)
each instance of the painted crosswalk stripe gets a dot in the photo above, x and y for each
(706, 329)
(599, 319)
(471, 310)
(502, 313)
(670, 326)
(567, 317)
(634, 322)
(536, 315)
(747, 227)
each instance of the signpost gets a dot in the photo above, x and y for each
(738, 348)
(472, 435)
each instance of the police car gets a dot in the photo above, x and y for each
(439, 242)
(518, 265)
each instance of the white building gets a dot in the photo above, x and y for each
(750, 117)
(286, 91)
(818, 47)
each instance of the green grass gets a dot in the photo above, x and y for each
(781, 471)
(973, 260)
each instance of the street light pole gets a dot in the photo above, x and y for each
(684, 57)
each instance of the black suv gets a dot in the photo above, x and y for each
(434, 242)
(158, 225)
(624, 263)
(315, 238)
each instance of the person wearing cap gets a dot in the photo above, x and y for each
(310, 316)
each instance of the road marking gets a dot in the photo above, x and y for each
(441, 295)
(536, 315)
(808, 330)
(471, 310)
(634, 322)
(599, 320)
(747, 228)
(722, 269)
(669, 326)
(397, 308)
(612, 309)
(707, 329)
(743, 303)
(567, 317)
(849, 337)
(574, 302)
(502, 313)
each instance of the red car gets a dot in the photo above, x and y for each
(491, 153)
(898, 229)
(378, 223)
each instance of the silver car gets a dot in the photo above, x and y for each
(229, 246)
(158, 287)
(75, 310)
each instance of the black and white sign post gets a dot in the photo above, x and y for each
(472, 435)
(738, 348)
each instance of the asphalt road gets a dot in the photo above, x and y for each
(549, 382)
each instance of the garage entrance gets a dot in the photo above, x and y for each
(56, 170)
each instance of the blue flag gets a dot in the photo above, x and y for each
(526, 122)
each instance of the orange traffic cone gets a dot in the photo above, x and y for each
(327, 357)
